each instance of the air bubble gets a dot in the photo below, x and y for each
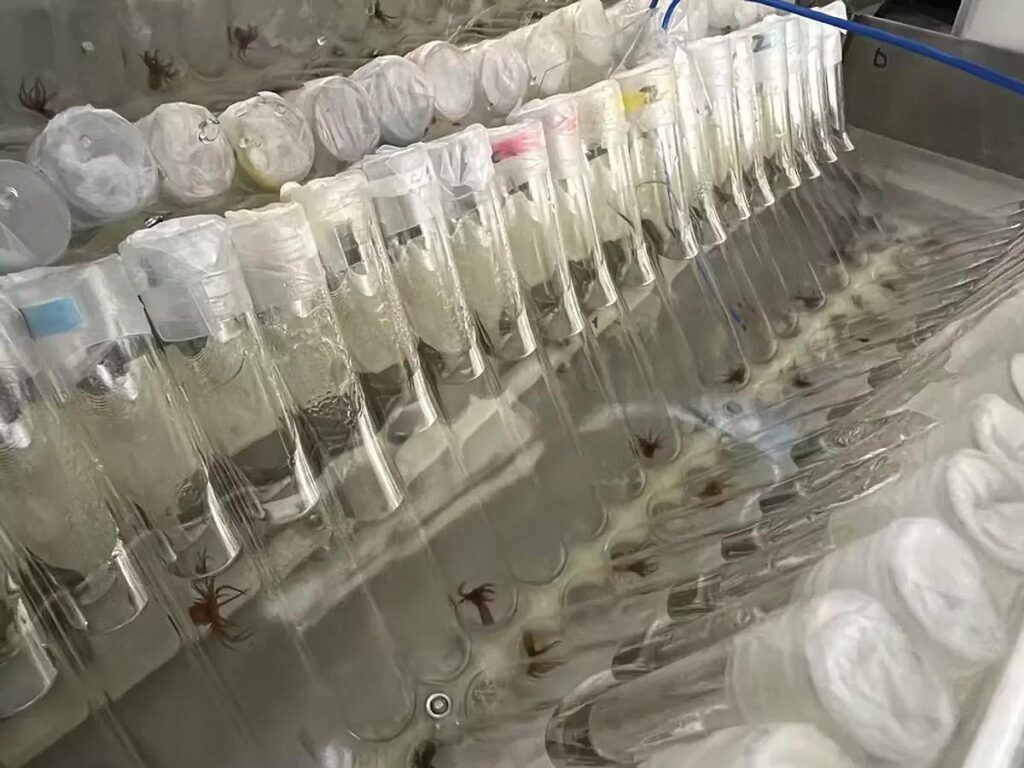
(322, 40)
(85, 142)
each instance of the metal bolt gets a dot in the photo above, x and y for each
(438, 705)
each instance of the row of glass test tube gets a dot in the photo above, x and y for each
(115, 53)
(180, 157)
(313, 343)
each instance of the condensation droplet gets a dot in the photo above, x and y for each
(8, 197)
(85, 142)
(152, 221)
(280, 111)
(88, 46)
(209, 130)
(322, 40)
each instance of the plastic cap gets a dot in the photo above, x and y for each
(560, 120)
(278, 254)
(272, 140)
(602, 117)
(402, 96)
(186, 272)
(519, 151)
(403, 188)
(334, 206)
(462, 162)
(99, 162)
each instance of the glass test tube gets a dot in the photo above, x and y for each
(784, 668)
(649, 94)
(605, 135)
(187, 274)
(755, 252)
(487, 270)
(406, 195)
(278, 254)
(383, 347)
(772, 76)
(629, 363)
(528, 203)
(107, 628)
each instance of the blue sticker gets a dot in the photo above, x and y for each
(53, 317)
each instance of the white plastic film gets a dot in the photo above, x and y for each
(196, 160)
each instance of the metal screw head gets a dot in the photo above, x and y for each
(438, 705)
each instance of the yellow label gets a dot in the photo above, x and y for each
(634, 101)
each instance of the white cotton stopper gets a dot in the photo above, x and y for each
(278, 254)
(341, 114)
(775, 745)
(929, 580)
(402, 96)
(998, 429)
(35, 224)
(842, 663)
(452, 75)
(272, 140)
(502, 74)
(558, 115)
(99, 162)
(986, 500)
(195, 157)
(187, 275)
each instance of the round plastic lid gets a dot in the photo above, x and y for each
(504, 75)
(35, 224)
(452, 75)
(344, 119)
(402, 96)
(547, 57)
(196, 160)
(99, 162)
(271, 138)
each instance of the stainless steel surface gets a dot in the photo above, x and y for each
(918, 101)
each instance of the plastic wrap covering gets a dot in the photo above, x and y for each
(196, 160)
(452, 77)
(99, 163)
(343, 118)
(402, 95)
(503, 75)
(187, 277)
(272, 140)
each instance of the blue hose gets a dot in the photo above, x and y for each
(921, 49)
(668, 14)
